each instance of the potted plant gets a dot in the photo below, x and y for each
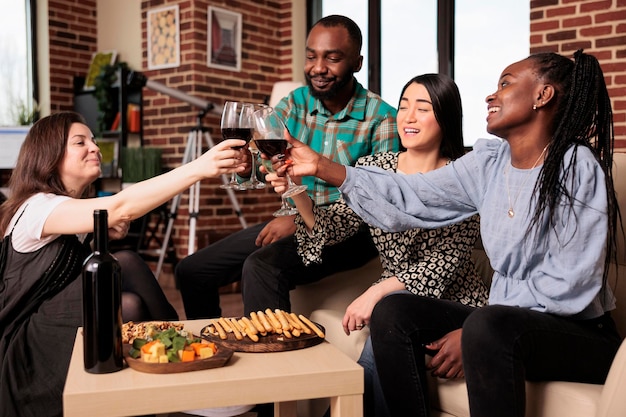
(105, 97)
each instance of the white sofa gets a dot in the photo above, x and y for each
(325, 302)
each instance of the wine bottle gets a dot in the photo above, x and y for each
(102, 304)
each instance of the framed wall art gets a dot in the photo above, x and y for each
(224, 39)
(98, 61)
(163, 37)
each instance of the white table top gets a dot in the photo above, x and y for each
(248, 378)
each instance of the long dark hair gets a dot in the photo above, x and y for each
(583, 117)
(37, 166)
(446, 99)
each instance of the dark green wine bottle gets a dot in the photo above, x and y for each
(102, 303)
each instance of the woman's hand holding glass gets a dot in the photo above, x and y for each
(269, 137)
(225, 157)
(236, 123)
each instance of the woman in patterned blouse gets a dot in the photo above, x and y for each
(426, 262)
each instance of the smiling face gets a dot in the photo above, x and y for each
(81, 161)
(331, 60)
(511, 106)
(417, 126)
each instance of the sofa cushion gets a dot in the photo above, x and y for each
(546, 399)
(351, 345)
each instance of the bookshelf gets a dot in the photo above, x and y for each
(114, 131)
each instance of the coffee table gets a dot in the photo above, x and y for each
(282, 378)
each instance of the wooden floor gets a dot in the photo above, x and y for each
(231, 303)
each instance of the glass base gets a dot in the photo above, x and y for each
(253, 185)
(232, 186)
(285, 211)
(293, 190)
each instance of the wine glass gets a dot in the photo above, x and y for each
(270, 139)
(253, 183)
(285, 209)
(237, 123)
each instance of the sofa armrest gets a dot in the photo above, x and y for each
(613, 400)
(336, 291)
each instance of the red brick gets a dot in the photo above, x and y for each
(612, 16)
(592, 6)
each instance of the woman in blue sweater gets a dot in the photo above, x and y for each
(548, 224)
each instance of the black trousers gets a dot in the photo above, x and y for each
(267, 273)
(502, 348)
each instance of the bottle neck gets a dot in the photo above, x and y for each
(100, 231)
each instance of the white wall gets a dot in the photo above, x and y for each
(119, 28)
(43, 57)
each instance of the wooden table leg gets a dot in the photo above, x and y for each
(286, 409)
(346, 406)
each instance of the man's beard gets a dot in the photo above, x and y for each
(339, 84)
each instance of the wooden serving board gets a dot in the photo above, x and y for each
(220, 359)
(269, 343)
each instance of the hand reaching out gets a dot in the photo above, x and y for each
(223, 159)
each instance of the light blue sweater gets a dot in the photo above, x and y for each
(554, 271)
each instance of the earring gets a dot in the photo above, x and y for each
(534, 107)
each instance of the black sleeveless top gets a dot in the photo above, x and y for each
(40, 311)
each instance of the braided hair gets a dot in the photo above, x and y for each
(583, 117)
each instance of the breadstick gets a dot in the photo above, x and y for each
(251, 328)
(284, 323)
(235, 327)
(247, 331)
(265, 322)
(312, 326)
(303, 326)
(292, 321)
(219, 329)
(273, 321)
(225, 324)
(257, 323)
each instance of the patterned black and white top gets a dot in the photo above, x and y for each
(429, 262)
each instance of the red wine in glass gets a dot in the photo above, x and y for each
(272, 147)
(244, 133)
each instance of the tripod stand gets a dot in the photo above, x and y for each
(193, 149)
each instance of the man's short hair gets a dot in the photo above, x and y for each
(353, 29)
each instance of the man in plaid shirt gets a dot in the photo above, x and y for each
(340, 119)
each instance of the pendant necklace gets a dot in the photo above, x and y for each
(510, 212)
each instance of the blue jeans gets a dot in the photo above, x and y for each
(374, 404)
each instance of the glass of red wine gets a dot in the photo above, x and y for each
(269, 138)
(237, 123)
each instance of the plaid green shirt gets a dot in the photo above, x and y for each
(367, 125)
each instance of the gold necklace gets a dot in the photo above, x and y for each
(510, 211)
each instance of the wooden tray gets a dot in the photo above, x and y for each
(269, 343)
(220, 359)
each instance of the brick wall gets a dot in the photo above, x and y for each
(266, 58)
(599, 27)
(557, 25)
(73, 38)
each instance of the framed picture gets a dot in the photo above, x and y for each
(224, 39)
(98, 61)
(163, 37)
(109, 148)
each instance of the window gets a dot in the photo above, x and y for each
(473, 41)
(357, 11)
(488, 37)
(16, 66)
